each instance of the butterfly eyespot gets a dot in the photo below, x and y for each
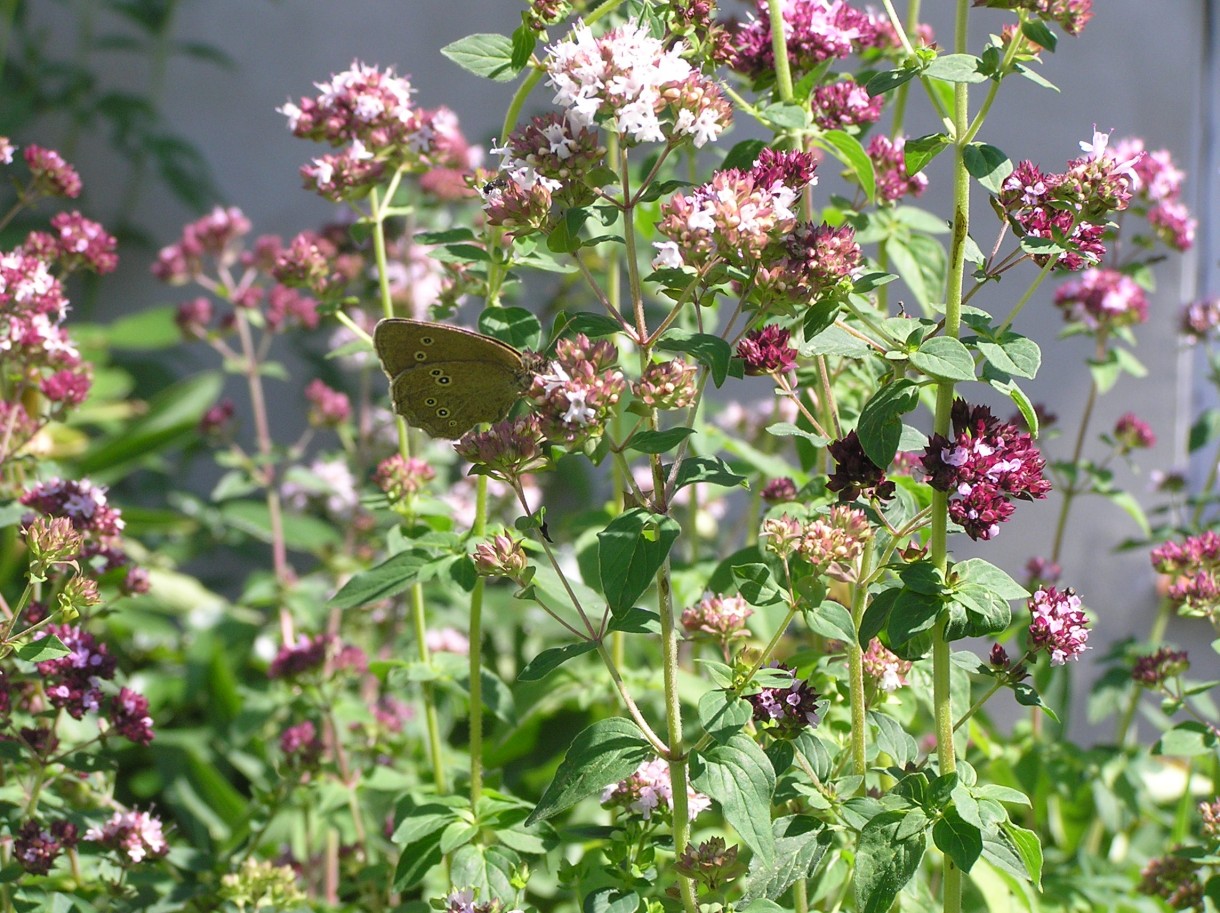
(421, 356)
(442, 413)
(430, 402)
(426, 340)
(437, 372)
(443, 380)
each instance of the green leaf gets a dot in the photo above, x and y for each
(1021, 401)
(743, 154)
(913, 613)
(831, 620)
(723, 714)
(524, 42)
(785, 116)
(172, 415)
(739, 777)
(1205, 429)
(921, 262)
(488, 54)
(960, 841)
(301, 533)
(756, 584)
(709, 350)
(883, 863)
(515, 326)
(890, 80)
(630, 551)
(987, 575)
(712, 470)
(987, 165)
(419, 832)
(801, 843)
(920, 150)
(1012, 354)
(658, 441)
(147, 330)
(592, 325)
(487, 869)
(957, 68)
(609, 900)
(880, 424)
(37, 651)
(602, 754)
(387, 579)
(944, 357)
(565, 238)
(1186, 740)
(1028, 847)
(893, 739)
(1027, 696)
(847, 149)
(548, 661)
(1037, 31)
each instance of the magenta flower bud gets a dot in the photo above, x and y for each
(1153, 670)
(1133, 433)
(51, 175)
(766, 351)
(401, 479)
(779, 491)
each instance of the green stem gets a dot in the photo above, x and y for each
(951, 897)
(419, 621)
(779, 48)
(476, 652)
(855, 666)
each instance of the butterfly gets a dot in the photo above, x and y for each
(445, 379)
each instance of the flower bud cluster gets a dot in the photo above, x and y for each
(1070, 15)
(883, 667)
(503, 556)
(507, 450)
(552, 153)
(766, 351)
(831, 543)
(1175, 879)
(984, 467)
(667, 384)
(137, 835)
(1153, 669)
(1200, 318)
(50, 175)
(1159, 193)
(402, 478)
(1059, 625)
(1133, 433)
(37, 847)
(718, 616)
(627, 77)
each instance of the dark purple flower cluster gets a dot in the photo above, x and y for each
(855, 474)
(1154, 668)
(766, 351)
(72, 681)
(129, 717)
(36, 847)
(984, 467)
(786, 710)
(1058, 624)
(779, 491)
(305, 655)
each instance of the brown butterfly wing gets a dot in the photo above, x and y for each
(404, 344)
(446, 399)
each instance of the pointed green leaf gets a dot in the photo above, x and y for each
(486, 54)
(884, 864)
(630, 551)
(739, 777)
(602, 754)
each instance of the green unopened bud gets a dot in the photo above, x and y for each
(51, 541)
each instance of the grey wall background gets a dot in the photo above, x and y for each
(1136, 69)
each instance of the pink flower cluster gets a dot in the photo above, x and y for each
(1072, 208)
(1159, 194)
(214, 235)
(649, 789)
(548, 156)
(649, 92)
(138, 835)
(884, 667)
(328, 408)
(1102, 299)
(1071, 15)
(718, 616)
(890, 170)
(1194, 568)
(1058, 624)
(368, 113)
(736, 216)
(816, 31)
(1132, 433)
(49, 173)
(82, 502)
(667, 384)
(831, 543)
(845, 104)
(1199, 318)
(576, 394)
(984, 467)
